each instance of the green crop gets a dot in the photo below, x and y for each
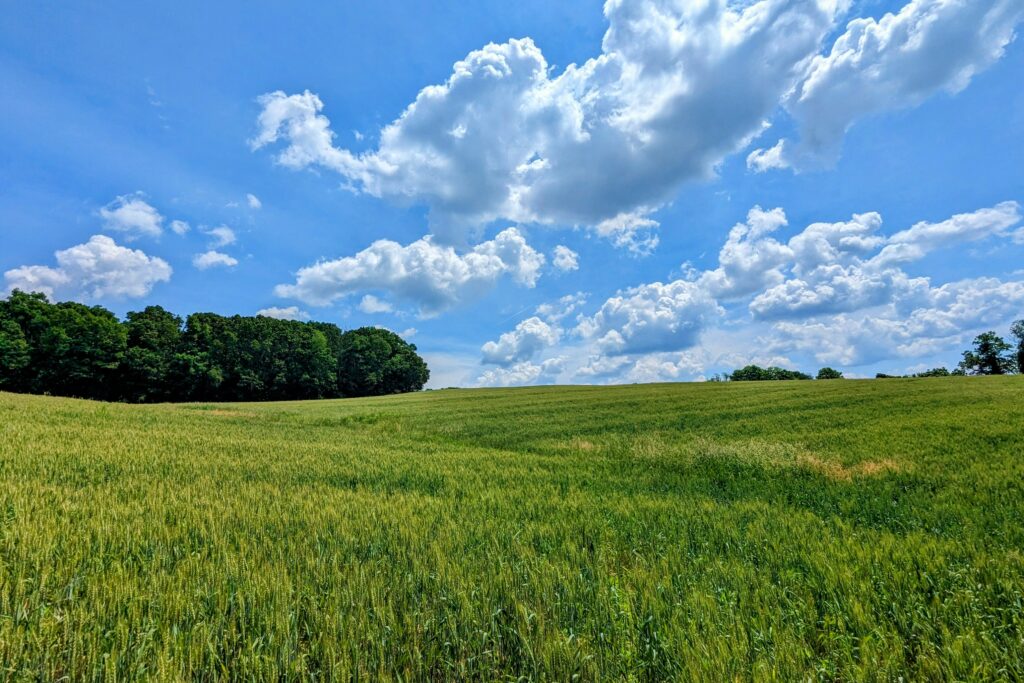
(844, 530)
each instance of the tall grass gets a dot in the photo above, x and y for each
(771, 531)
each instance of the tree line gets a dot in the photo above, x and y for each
(990, 354)
(70, 349)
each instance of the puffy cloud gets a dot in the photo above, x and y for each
(565, 259)
(283, 313)
(371, 304)
(132, 215)
(431, 276)
(94, 270)
(253, 201)
(652, 317)
(221, 236)
(951, 314)
(750, 261)
(212, 258)
(527, 339)
(895, 62)
(835, 271)
(556, 311)
(180, 227)
(843, 242)
(522, 373)
(915, 242)
(631, 230)
(676, 88)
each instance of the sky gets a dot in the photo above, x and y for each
(532, 192)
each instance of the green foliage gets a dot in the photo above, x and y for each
(73, 350)
(837, 531)
(829, 373)
(934, 372)
(990, 356)
(1017, 330)
(755, 373)
(375, 361)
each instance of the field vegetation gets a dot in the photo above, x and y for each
(845, 530)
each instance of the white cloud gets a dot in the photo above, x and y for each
(221, 236)
(408, 332)
(565, 259)
(895, 62)
(527, 339)
(834, 271)
(211, 259)
(285, 313)
(951, 315)
(94, 270)
(833, 291)
(652, 317)
(676, 88)
(253, 201)
(631, 230)
(567, 305)
(522, 373)
(749, 261)
(132, 215)
(180, 227)
(371, 304)
(915, 242)
(431, 276)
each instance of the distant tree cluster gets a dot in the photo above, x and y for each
(755, 373)
(70, 349)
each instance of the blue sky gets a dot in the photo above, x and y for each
(543, 187)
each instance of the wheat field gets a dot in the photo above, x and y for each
(843, 530)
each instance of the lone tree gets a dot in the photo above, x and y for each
(1017, 330)
(990, 356)
(375, 361)
(829, 373)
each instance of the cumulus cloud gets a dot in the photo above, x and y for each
(950, 315)
(915, 242)
(835, 270)
(132, 215)
(283, 313)
(253, 201)
(431, 276)
(895, 62)
(522, 373)
(371, 304)
(220, 236)
(97, 269)
(565, 259)
(750, 261)
(652, 317)
(676, 88)
(527, 339)
(180, 227)
(556, 311)
(212, 259)
(833, 290)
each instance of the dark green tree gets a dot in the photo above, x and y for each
(990, 356)
(755, 373)
(829, 373)
(14, 353)
(934, 372)
(154, 335)
(375, 361)
(1017, 330)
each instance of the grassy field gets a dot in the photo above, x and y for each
(783, 530)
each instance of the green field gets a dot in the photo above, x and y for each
(774, 530)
